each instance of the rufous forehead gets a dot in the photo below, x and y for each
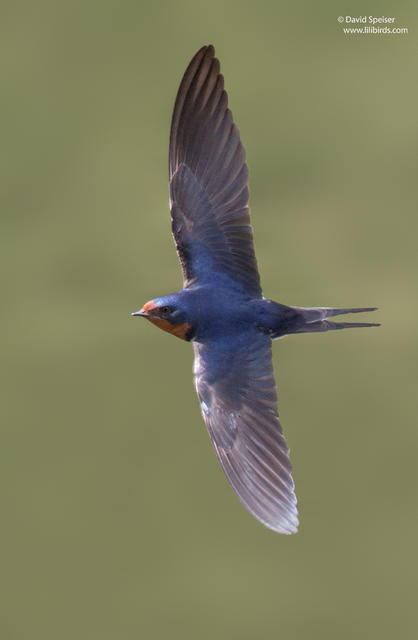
(149, 306)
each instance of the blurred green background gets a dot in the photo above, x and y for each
(116, 520)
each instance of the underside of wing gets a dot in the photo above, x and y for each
(208, 181)
(237, 394)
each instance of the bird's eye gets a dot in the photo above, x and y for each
(164, 310)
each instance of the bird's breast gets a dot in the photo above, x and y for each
(181, 331)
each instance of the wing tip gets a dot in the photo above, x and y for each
(285, 528)
(286, 521)
(207, 50)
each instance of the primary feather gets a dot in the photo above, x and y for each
(208, 181)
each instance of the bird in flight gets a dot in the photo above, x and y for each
(221, 308)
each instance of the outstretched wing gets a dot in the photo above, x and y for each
(237, 393)
(208, 182)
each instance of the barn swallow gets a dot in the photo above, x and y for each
(221, 308)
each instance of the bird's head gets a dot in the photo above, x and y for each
(167, 314)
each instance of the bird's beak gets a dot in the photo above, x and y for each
(141, 312)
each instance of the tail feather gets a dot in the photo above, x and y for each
(315, 319)
(325, 325)
(283, 320)
(312, 314)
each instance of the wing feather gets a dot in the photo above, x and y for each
(236, 388)
(209, 182)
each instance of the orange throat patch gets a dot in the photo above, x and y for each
(178, 330)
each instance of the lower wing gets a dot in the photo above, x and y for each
(237, 393)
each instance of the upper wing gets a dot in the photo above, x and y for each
(237, 393)
(208, 181)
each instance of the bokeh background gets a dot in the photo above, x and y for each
(116, 520)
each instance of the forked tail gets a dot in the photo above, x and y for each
(280, 320)
(312, 319)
